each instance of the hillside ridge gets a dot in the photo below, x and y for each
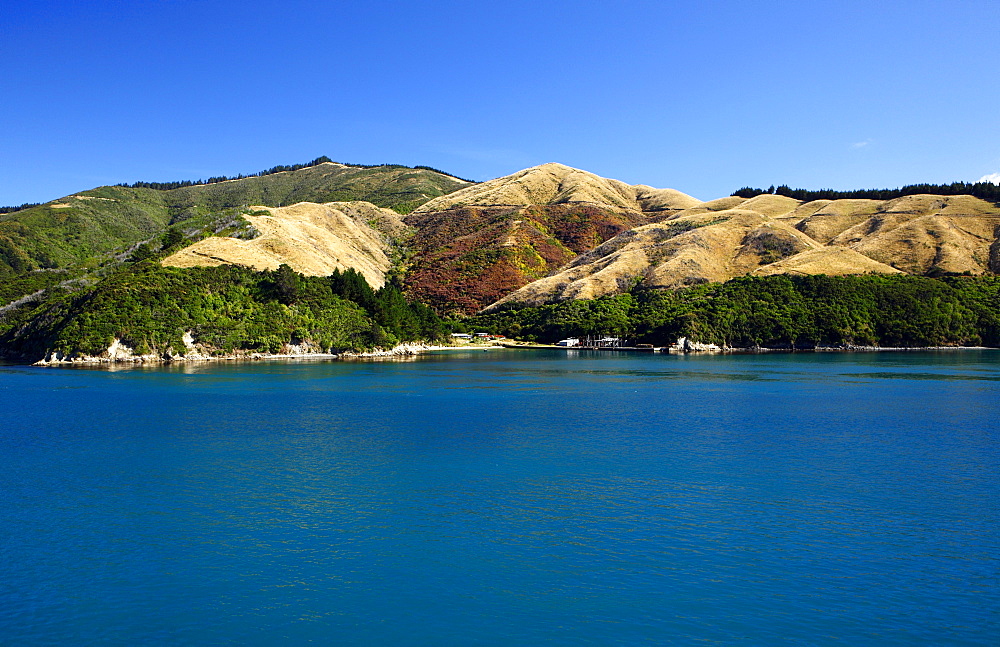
(476, 245)
(773, 234)
(86, 224)
(554, 183)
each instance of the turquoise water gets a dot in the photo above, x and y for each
(505, 498)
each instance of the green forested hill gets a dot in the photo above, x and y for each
(224, 310)
(395, 187)
(73, 229)
(74, 276)
(70, 230)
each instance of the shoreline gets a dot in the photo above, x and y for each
(825, 349)
(411, 350)
(404, 350)
(695, 348)
(830, 349)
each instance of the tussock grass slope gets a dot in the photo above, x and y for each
(313, 239)
(772, 234)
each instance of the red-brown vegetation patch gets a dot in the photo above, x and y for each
(468, 257)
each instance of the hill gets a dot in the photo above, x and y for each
(393, 187)
(560, 184)
(477, 244)
(91, 223)
(773, 234)
(254, 264)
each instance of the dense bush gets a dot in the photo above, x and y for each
(779, 312)
(983, 190)
(167, 186)
(226, 308)
(21, 207)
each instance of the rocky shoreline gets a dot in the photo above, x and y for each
(684, 345)
(402, 350)
(119, 353)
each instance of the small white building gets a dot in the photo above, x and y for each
(461, 335)
(572, 341)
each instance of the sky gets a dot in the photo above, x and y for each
(704, 97)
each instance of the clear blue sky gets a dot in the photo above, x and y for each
(704, 97)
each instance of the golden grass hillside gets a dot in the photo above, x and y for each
(552, 183)
(771, 234)
(313, 239)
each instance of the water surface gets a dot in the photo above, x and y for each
(509, 497)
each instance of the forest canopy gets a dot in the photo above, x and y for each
(983, 190)
(227, 309)
(778, 312)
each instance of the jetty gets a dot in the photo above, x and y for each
(596, 343)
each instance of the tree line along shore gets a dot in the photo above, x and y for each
(228, 311)
(779, 312)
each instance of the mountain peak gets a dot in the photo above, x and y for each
(553, 183)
